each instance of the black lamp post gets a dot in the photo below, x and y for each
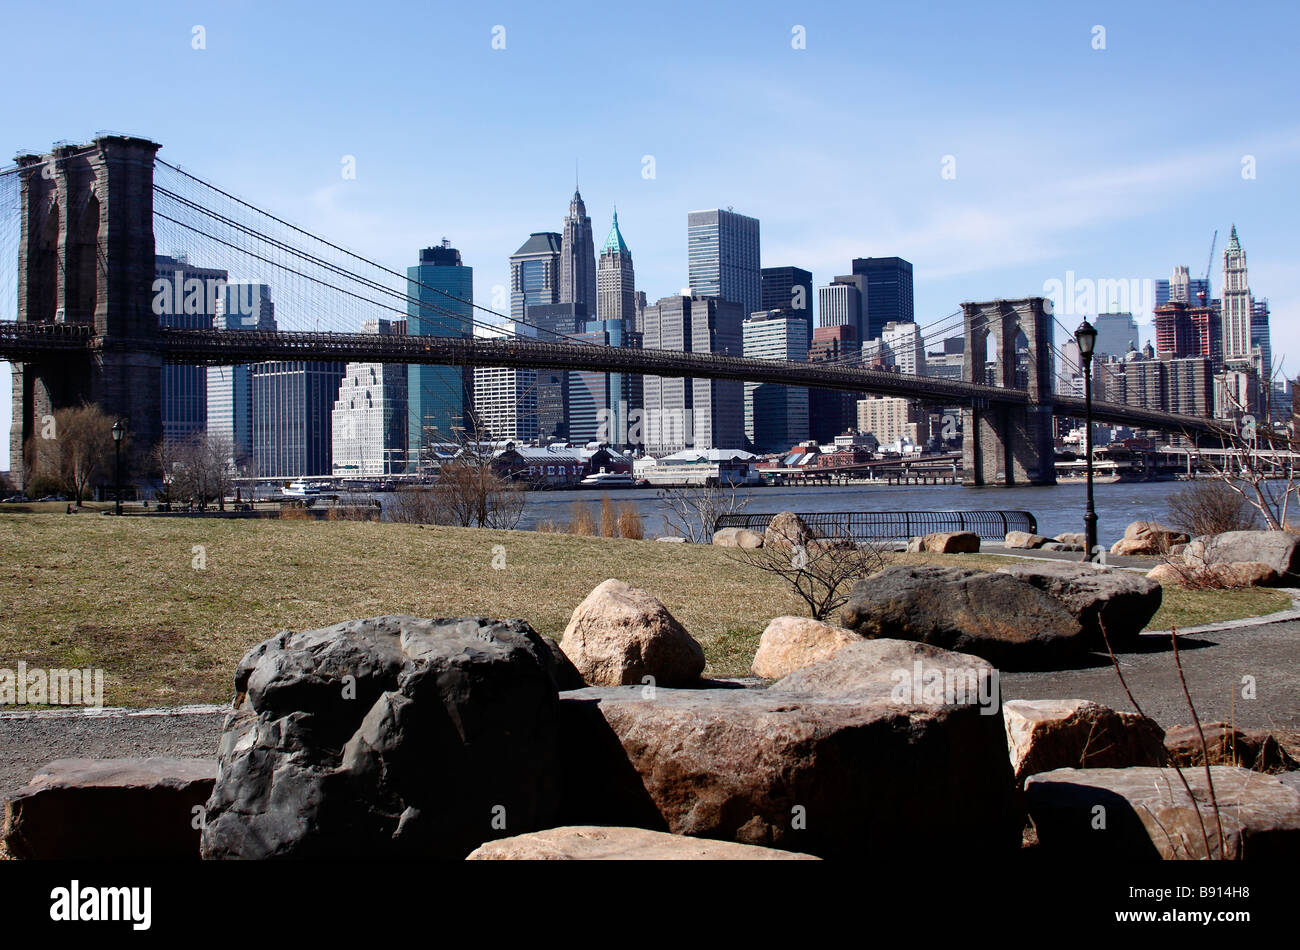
(1086, 337)
(117, 463)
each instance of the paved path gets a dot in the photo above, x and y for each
(1214, 662)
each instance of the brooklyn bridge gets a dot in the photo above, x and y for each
(84, 325)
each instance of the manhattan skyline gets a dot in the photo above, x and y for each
(1062, 156)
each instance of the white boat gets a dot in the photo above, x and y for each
(604, 479)
(301, 489)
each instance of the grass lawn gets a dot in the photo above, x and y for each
(124, 594)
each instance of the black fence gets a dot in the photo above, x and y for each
(895, 525)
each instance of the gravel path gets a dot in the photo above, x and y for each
(1214, 662)
(29, 740)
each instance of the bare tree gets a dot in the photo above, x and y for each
(1258, 465)
(470, 491)
(199, 470)
(691, 512)
(76, 450)
(820, 571)
(1208, 506)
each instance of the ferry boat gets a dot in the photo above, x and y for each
(301, 489)
(604, 479)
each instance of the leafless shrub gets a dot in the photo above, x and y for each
(1208, 506)
(608, 520)
(821, 571)
(630, 524)
(581, 521)
(691, 512)
(78, 452)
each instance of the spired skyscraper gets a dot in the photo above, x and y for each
(1237, 306)
(723, 257)
(439, 398)
(578, 257)
(615, 280)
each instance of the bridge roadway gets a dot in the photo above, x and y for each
(21, 342)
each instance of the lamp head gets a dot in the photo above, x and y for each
(1086, 337)
(117, 431)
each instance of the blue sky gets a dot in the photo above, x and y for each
(1114, 163)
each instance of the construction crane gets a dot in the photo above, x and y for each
(1203, 293)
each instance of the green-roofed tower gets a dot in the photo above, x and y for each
(615, 280)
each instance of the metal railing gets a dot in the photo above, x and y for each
(895, 525)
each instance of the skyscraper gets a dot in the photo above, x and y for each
(505, 399)
(550, 323)
(1117, 333)
(723, 258)
(1237, 308)
(903, 348)
(616, 280)
(241, 306)
(830, 411)
(839, 304)
(369, 422)
(1182, 287)
(292, 417)
(186, 296)
(888, 294)
(700, 413)
(535, 273)
(776, 417)
(789, 289)
(438, 397)
(578, 257)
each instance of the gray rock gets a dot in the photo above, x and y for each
(839, 759)
(1004, 619)
(392, 736)
(110, 810)
(1145, 814)
(1280, 550)
(1121, 600)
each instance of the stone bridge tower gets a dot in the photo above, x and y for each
(86, 255)
(1005, 445)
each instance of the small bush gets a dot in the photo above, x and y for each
(582, 522)
(630, 524)
(608, 521)
(1209, 506)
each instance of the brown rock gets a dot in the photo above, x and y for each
(1047, 734)
(951, 542)
(1256, 750)
(1280, 550)
(787, 530)
(1145, 538)
(1167, 575)
(1147, 814)
(1120, 600)
(111, 809)
(1007, 621)
(1023, 539)
(831, 760)
(1074, 538)
(602, 843)
(620, 635)
(1244, 574)
(791, 643)
(737, 538)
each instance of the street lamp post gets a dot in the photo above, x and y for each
(1086, 337)
(117, 463)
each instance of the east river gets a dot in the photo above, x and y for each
(1058, 508)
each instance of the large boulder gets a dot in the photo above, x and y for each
(786, 531)
(388, 737)
(1236, 574)
(1048, 734)
(1024, 539)
(1146, 538)
(1004, 619)
(885, 747)
(1097, 596)
(1146, 814)
(134, 809)
(1280, 550)
(1256, 750)
(950, 542)
(791, 643)
(621, 635)
(737, 538)
(599, 843)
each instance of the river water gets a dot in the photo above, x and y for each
(1058, 508)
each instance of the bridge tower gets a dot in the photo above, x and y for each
(1009, 445)
(86, 255)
